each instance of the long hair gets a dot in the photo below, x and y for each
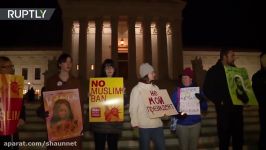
(56, 108)
(146, 80)
(107, 62)
(4, 59)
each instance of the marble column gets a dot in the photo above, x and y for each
(67, 35)
(132, 49)
(177, 51)
(114, 40)
(147, 51)
(83, 71)
(162, 49)
(98, 45)
(74, 52)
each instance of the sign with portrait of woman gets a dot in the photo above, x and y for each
(239, 86)
(65, 117)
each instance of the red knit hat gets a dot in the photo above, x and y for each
(188, 72)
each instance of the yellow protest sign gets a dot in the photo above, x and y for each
(106, 100)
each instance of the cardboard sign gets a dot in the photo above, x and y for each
(11, 94)
(188, 101)
(158, 103)
(65, 116)
(106, 100)
(239, 86)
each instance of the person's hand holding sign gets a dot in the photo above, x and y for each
(21, 122)
(181, 115)
(199, 97)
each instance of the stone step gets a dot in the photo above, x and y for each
(35, 106)
(40, 131)
(245, 147)
(31, 113)
(210, 142)
(207, 128)
(206, 121)
(35, 130)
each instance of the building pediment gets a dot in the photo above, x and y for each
(74, 9)
(150, 1)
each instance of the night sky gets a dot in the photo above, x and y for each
(207, 23)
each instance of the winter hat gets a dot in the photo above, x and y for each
(145, 69)
(188, 72)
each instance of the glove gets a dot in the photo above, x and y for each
(199, 97)
(181, 115)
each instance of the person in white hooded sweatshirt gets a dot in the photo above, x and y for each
(149, 129)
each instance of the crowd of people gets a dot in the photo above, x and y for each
(185, 126)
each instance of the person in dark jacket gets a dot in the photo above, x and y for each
(259, 86)
(188, 126)
(7, 67)
(63, 80)
(229, 116)
(107, 131)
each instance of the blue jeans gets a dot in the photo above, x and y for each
(154, 134)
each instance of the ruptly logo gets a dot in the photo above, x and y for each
(26, 13)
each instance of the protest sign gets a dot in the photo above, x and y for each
(106, 100)
(65, 116)
(11, 94)
(158, 103)
(188, 101)
(239, 86)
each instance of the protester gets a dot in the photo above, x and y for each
(107, 131)
(63, 80)
(259, 86)
(31, 95)
(7, 67)
(229, 116)
(188, 127)
(149, 128)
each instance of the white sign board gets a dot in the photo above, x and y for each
(188, 101)
(158, 104)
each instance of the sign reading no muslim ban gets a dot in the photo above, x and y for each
(158, 104)
(106, 100)
(26, 13)
(188, 101)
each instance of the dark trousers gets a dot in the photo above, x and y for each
(101, 138)
(11, 138)
(262, 115)
(230, 125)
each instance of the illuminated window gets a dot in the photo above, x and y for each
(37, 73)
(25, 73)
